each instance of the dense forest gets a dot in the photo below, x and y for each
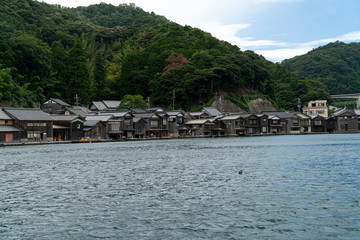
(108, 52)
(337, 65)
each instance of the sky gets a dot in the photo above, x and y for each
(276, 29)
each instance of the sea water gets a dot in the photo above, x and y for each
(291, 187)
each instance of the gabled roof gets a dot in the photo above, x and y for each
(98, 106)
(144, 115)
(198, 121)
(280, 114)
(65, 118)
(28, 114)
(80, 111)
(212, 111)
(230, 117)
(343, 111)
(121, 114)
(102, 118)
(154, 109)
(176, 112)
(88, 125)
(60, 102)
(111, 104)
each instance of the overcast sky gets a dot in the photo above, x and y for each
(276, 29)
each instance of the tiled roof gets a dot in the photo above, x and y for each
(7, 128)
(60, 102)
(64, 117)
(111, 104)
(212, 111)
(99, 105)
(4, 115)
(28, 114)
(102, 118)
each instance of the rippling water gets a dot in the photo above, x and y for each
(292, 187)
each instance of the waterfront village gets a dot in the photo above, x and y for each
(104, 122)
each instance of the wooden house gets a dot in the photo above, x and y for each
(68, 127)
(155, 124)
(318, 124)
(8, 132)
(199, 127)
(234, 124)
(105, 119)
(95, 129)
(125, 119)
(34, 123)
(177, 123)
(346, 121)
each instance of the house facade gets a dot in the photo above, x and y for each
(34, 123)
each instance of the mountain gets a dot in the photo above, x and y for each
(336, 64)
(106, 52)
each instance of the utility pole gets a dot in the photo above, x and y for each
(299, 104)
(76, 100)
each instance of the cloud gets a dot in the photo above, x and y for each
(296, 49)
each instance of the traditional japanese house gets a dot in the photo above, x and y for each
(8, 133)
(177, 123)
(34, 123)
(275, 125)
(155, 124)
(263, 123)
(105, 119)
(234, 124)
(140, 127)
(252, 124)
(346, 121)
(318, 124)
(123, 122)
(54, 106)
(288, 122)
(199, 127)
(68, 127)
(95, 129)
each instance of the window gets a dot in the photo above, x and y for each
(30, 124)
(252, 121)
(295, 121)
(264, 119)
(114, 126)
(318, 122)
(264, 129)
(320, 112)
(164, 122)
(251, 130)
(275, 121)
(180, 120)
(127, 122)
(154, 124)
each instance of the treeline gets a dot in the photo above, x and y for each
(107, 52)
(337, 65)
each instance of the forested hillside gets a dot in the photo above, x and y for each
(337, 65)
(107, 52)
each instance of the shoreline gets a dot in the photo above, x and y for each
(150, 139)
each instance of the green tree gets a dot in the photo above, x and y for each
(78, 75)
(99, 76)
(132, 101)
